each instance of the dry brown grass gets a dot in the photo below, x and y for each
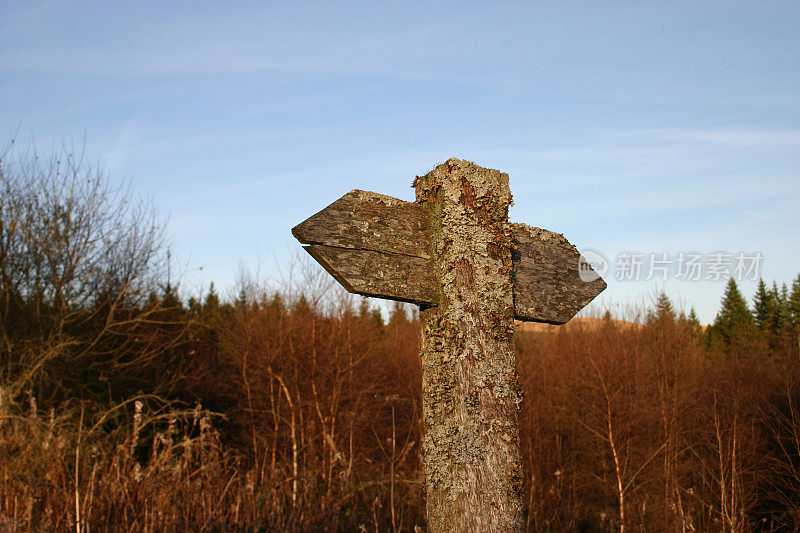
(639, 428)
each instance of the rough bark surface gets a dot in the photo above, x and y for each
(470, 391)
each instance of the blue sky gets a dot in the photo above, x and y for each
(651, 127)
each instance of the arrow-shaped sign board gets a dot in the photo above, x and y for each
(377, 245)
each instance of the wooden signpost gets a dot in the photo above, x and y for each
(472, 272)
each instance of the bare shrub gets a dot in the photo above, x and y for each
(78, 261)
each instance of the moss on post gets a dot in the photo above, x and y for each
(469, 386)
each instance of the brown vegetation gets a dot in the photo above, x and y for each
(124, 409)
(623, 428)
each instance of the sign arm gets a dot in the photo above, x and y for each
(378, 274)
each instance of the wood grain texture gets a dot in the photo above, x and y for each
(378, 274)
(363, 220)
(547, 283)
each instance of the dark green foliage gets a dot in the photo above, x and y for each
(734, 321)
(772, 322)
(795, 295)
(794, 302)
(762, 303)
(778, 323)
(775, 319)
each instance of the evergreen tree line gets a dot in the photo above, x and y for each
(773, 318)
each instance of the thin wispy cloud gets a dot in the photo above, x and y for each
(731, 138)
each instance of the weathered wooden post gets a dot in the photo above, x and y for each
(455, 253)
(470, 393)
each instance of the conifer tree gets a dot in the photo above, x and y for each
(773, 314)
(194, 305)
(377, 316)
(785, 328)
(302, 308)
(275, 305)
(694, 322)
(794, 302)
(778, 315)
(761, 304)
(370, 314)
(734, 318)
(243, 299)
(664, 312)
(691, 322)
(793, 312)
(784, 307)
(170, 300)
(363, 308)
(771, 319)
(397, 315)
(211, 302)
(693, 319)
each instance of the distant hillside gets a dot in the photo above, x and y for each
(577, 322)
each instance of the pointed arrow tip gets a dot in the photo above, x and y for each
(297, 232)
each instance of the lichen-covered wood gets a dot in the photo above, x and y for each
(382, 275)
(364, 220)
(470, 392)
(547, 282)
(547, 285)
